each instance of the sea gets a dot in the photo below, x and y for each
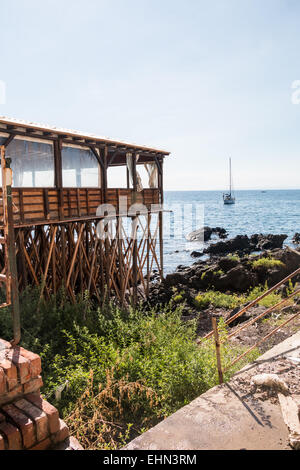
(272, 211)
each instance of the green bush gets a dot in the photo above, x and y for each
(234, 258)
(269, 301)
(267, 263)
(217, 299)
(124, 371)
(231, 301)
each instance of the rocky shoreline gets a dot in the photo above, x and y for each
(235, 267)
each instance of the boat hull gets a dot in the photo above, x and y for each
(229, 203)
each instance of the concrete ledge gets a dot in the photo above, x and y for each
(221, 420)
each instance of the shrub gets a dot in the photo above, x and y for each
(234, 258)
(269, 301)
(217, 299)
(267, 263)
(218, 273)
(231, 301)
(125, 371)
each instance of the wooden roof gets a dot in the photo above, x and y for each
(31, 129)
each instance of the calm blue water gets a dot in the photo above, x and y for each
(276, 212)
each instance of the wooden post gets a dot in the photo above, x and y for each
(218, 349)
(104, 156)
(128, 179)
(58, 175)
(161, 218)
(134, 224)
(148, 252)
(9, 231)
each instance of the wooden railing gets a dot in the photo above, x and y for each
(35, 206)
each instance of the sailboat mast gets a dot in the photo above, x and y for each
(230, 176)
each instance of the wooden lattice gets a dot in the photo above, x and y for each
(117, 262)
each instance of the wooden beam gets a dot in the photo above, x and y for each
(9, 140)
(98, 156)
(112, 158)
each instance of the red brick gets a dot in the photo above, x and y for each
(24, 424)
(37, 416)
(17, 392)
(35, 362)
(33, 386)
(2, 443)
(4, 344)
(2, 382)
(62, 434)
(23, 365)
(12, 435)
(44, 445)
(51, 411)
(10, 372)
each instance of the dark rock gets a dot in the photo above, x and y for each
(290, 262)
(225, 264)
(174, 279)
(271, 242)
(251, 313)
(197, 254)
(237, 279)
(205, 233)
(221, 232)
(296, 238)
(242, 244)
(260, 242)
(239, 243)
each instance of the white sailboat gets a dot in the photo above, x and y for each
(229, 198)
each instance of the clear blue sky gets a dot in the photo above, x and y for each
(203, 79)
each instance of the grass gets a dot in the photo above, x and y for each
(267, 263)
(125, 371)
(217, 299)
(234, 258)
(231, 301)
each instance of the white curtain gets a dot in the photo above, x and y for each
(129, 161)
(80, 168)
(152, 171)
(32, 163)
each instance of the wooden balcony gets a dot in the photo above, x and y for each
(40, 206)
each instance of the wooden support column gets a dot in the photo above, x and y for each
(104, 157)
(134, 232)
(58, 174)
(161, 217)
(128, 179)
(12, 284)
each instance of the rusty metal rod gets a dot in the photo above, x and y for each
(261, 341)
(279, 304)
(254, 302)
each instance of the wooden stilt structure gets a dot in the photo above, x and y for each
(54, 233)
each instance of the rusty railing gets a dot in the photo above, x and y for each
(215, 332)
